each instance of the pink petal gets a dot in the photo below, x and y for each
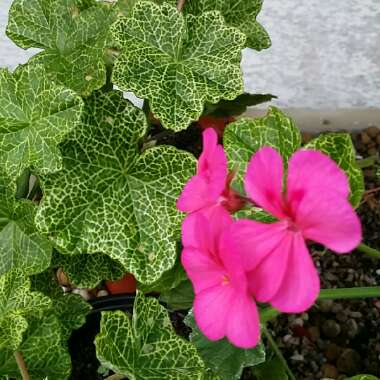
(300, 286)
(310, 170)
(266, 279)
(196, 195)
(205, 188)
(243, 327)
(202, 270)
(328, 218)
(202, 229)
(221, 311)
(255, 241)
(211, 310)
(263, 180)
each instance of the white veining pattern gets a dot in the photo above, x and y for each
(325, 54)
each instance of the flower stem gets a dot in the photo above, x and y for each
(22, 366)
(368, 251)
(180, 5)
(270, 313)
(366, 162)
(277, 351)
(116, 376)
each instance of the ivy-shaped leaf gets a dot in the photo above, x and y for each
(44, 354)
(21, 246)
(340, 148)
(363, 377)
(145, 346)
(35, 116)
(16, 303)
(179, 298)
(88, 270)
(225, 360)
(272, 369)
(246, 136)
(177, 62)
(241, 14)
(110, 198)
(70, 309)
(73, 35)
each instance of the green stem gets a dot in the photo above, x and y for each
(270, 313)
(277, 351)
(368, 251)
(366, 162)
(349, 293)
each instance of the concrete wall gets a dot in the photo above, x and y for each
(325, 55)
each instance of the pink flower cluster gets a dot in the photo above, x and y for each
(232, 264)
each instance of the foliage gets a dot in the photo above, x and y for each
(104, 197)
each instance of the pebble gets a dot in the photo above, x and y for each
(329, 371)
(102, 293)
(297, 358)
(336, 308)
(351, 328)
(349, 362)
(84, 293)
(326, 305)
(332, 352)
(356, 314)
(331, 329)
(62, 278)
(372, 131)
(366, 139)
(314, 332)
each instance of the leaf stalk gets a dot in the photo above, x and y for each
(180, 5)
(22, 365)
(369, 251)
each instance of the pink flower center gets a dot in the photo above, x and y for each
(225, 280)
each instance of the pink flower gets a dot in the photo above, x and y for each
(211, 184)
(223, 306)
(314, 206)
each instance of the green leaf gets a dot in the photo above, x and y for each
(73, 35)
(43, 351)
(236, 107)
(21, 246)
(35, 116)
(88, 270)
(246, 136)
(70, 309)
(224, 359)
(177, 62)
(340, 148)
(109, 198)
(255, 213)
(241, 14)
(179, 298)
(270, 370)
(17, 302)
(146, 346)
(363, 377)
(169, 280)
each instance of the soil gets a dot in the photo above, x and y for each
(334, 339)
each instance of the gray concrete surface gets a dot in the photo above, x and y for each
(325, 54)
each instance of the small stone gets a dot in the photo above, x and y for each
(336, 308)
(297, 322)
(351, 328)
(329, 371)
(341, 316)
(287, 338)
(325, 305)
(365, 138)
(84, 293)
(349, 362)
(314, 332)
(372, 151)
(332, 352)
(331, 329)
(102, 293)
(297, 358)
(372, 131)
(356, 314)
(306, 137)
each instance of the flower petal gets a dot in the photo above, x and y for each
(328, 218)
(243, 327)
(211, 309)
(300, 285)
(202, 270)
(205, 188)
(202, 229)
(313, 171)
(263, 180)
(255, 241)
